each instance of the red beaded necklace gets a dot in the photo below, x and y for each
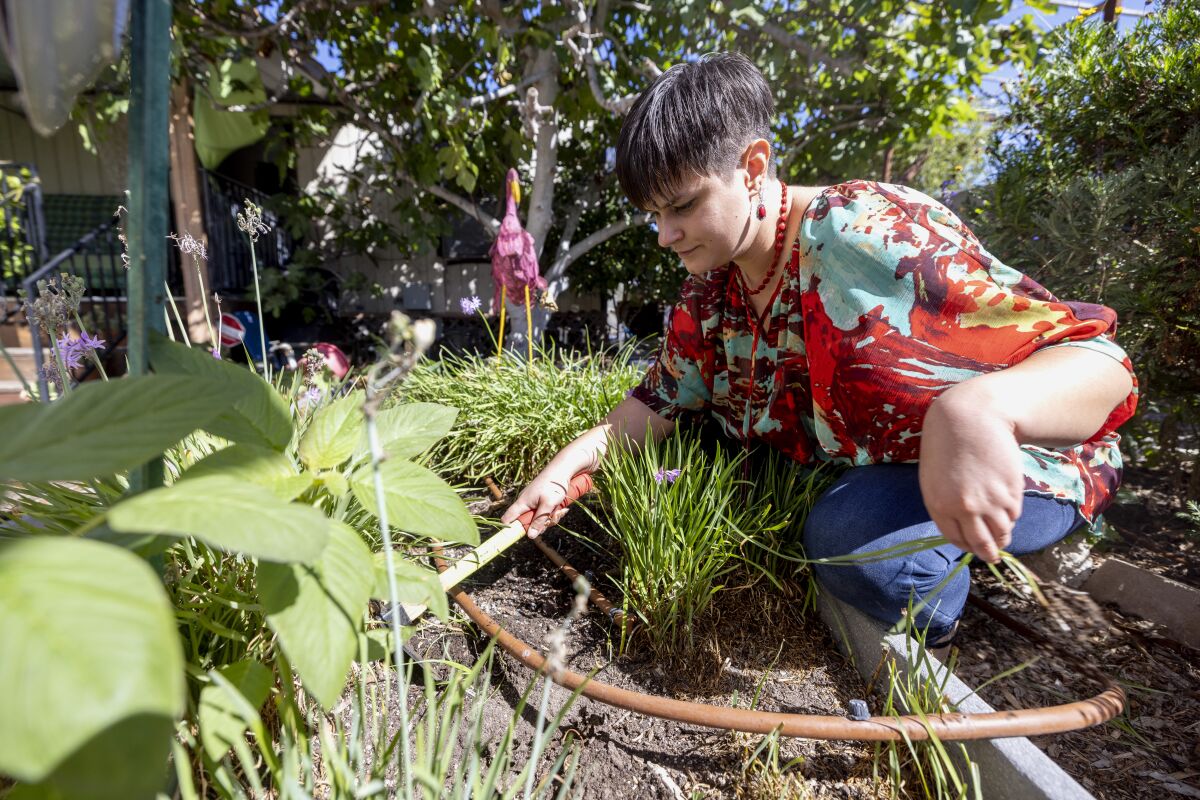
(780, 231)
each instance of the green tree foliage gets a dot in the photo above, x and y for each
(1097, 189)
(453, 94)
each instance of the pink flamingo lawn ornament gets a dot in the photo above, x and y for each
(514, 261)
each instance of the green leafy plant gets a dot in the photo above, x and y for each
(241, 573)
(515, 415)
(17, 254)
(781, 493)
(925, 768)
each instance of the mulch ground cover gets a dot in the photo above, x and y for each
(1150, 534)
(1151, 751)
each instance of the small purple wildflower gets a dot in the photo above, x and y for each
(74, 351)
(216, 353)
(668, 475)
(1035, 238)
(310, 398)
(70, 351)
(469, 305)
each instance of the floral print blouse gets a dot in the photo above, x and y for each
(888, 301)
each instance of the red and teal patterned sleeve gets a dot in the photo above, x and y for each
(680, 379)
(1058, 323)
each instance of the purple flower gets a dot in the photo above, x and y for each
(74, 351)
(216, 353)
(71, 355)
(89, 342)
(946, 184)
(668, 475)
(1036, 238)
(469, 305)
(310, 398)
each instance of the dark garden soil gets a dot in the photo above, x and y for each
(755, 649)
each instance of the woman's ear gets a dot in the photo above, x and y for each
(755, 160)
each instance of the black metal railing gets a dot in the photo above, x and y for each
(97, 259)
(22, 229)
(229, 265)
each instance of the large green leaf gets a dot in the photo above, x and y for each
(255, 465)
(417, 501)
(317, 610)
(409, 430)
(333, 432)
(91, 677)
(229, 706)
(253, 412)
(104, 427)
(228, 513)
(415, 585)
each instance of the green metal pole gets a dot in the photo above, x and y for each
(149, 162)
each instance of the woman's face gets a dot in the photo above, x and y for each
(707, 221)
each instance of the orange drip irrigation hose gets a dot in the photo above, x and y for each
(946, 727)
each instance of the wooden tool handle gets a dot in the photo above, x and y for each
(500, 541)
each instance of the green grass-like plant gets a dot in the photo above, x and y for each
(927, 768)
(515, 415)
(781, 493)
(677, 515)
(687, 517)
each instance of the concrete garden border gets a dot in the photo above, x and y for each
(1009, 769)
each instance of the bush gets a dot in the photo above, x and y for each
(1097, 187)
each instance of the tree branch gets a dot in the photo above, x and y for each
(599, 237)
(781, 36)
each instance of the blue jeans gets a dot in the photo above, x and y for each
(878, 506)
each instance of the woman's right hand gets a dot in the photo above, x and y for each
(629, 422)
(544, 495)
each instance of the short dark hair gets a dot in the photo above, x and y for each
(695, 119)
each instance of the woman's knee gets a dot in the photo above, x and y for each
(889, 589)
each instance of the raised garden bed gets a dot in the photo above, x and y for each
(757, 649)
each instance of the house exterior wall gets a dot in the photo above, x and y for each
(63, 164)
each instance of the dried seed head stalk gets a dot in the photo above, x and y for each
(556, 644)
(190, 246)
(314, 365)
(251, 223)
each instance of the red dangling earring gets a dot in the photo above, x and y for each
(762, 210)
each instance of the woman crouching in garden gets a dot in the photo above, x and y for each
(861, 324)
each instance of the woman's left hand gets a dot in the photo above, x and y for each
(970, 471)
